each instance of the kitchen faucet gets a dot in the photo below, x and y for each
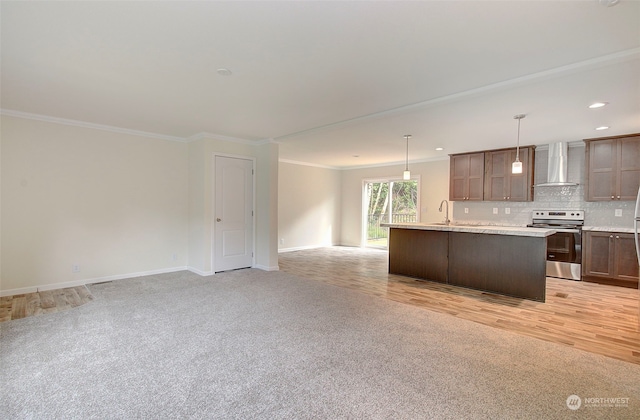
(446, 217)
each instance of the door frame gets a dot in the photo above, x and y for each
(212, 210)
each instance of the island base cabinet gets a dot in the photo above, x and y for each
(505, 264)
(508, 265)
(418, 253)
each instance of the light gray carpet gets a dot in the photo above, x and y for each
(254, 344)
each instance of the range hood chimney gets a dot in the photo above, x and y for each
(557, 170)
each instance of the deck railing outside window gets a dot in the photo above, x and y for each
(377, 232)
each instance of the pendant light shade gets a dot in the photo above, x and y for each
(407, 174)
(516, 166)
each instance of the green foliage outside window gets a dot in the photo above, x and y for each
(403, 203)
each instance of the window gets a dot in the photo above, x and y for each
(388, 201)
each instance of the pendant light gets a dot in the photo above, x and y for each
(516, 167)
(407, 174)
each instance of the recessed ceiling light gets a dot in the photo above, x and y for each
(602, 127)
(224, 72)
(439, 149)
(598, 105)
(356, 156)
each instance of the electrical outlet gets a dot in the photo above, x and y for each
(618, 213)
(75, 268)
(174, 257)
(281, 241)
(495, 210)
(466, 210)
(507, 210)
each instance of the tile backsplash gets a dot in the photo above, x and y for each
(597, 214)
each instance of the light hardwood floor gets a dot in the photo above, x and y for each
(595, 318)
(29, 304)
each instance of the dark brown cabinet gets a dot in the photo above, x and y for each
(466, 180)
(505, 264)
(487, 176)
(500, 184)
(610, 258)
(418, 253)
(612, 168)
(509, 265)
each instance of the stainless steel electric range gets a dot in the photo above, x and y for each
(564, 248)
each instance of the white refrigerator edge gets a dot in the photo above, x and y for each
(636, 222)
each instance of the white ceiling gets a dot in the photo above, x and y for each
(329, 80)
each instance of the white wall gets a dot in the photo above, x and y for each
(309, 206)
(118, 205)
(115, 204)
(434, 187)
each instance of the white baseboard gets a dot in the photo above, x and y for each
(20, 291)
(302, 248)
(138, 274)
(200, 272)
(353, 245)
(64, 285)
(267, 268)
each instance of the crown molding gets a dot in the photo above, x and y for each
(401, 163)
(83, 124)
(377, 165)
(213, 136)
(315, 165)
(120, 130)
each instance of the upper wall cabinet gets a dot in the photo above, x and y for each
(500, 184)
(487, 176)
(612, 168)
(466, 178)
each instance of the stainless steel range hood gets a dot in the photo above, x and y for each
(557, 170)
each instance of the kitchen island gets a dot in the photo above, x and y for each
(499, 259)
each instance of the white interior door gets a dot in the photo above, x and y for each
(233, 213)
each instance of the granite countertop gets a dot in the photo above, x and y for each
(486, 229)
(608, 229)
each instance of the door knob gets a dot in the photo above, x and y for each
(218, 220)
